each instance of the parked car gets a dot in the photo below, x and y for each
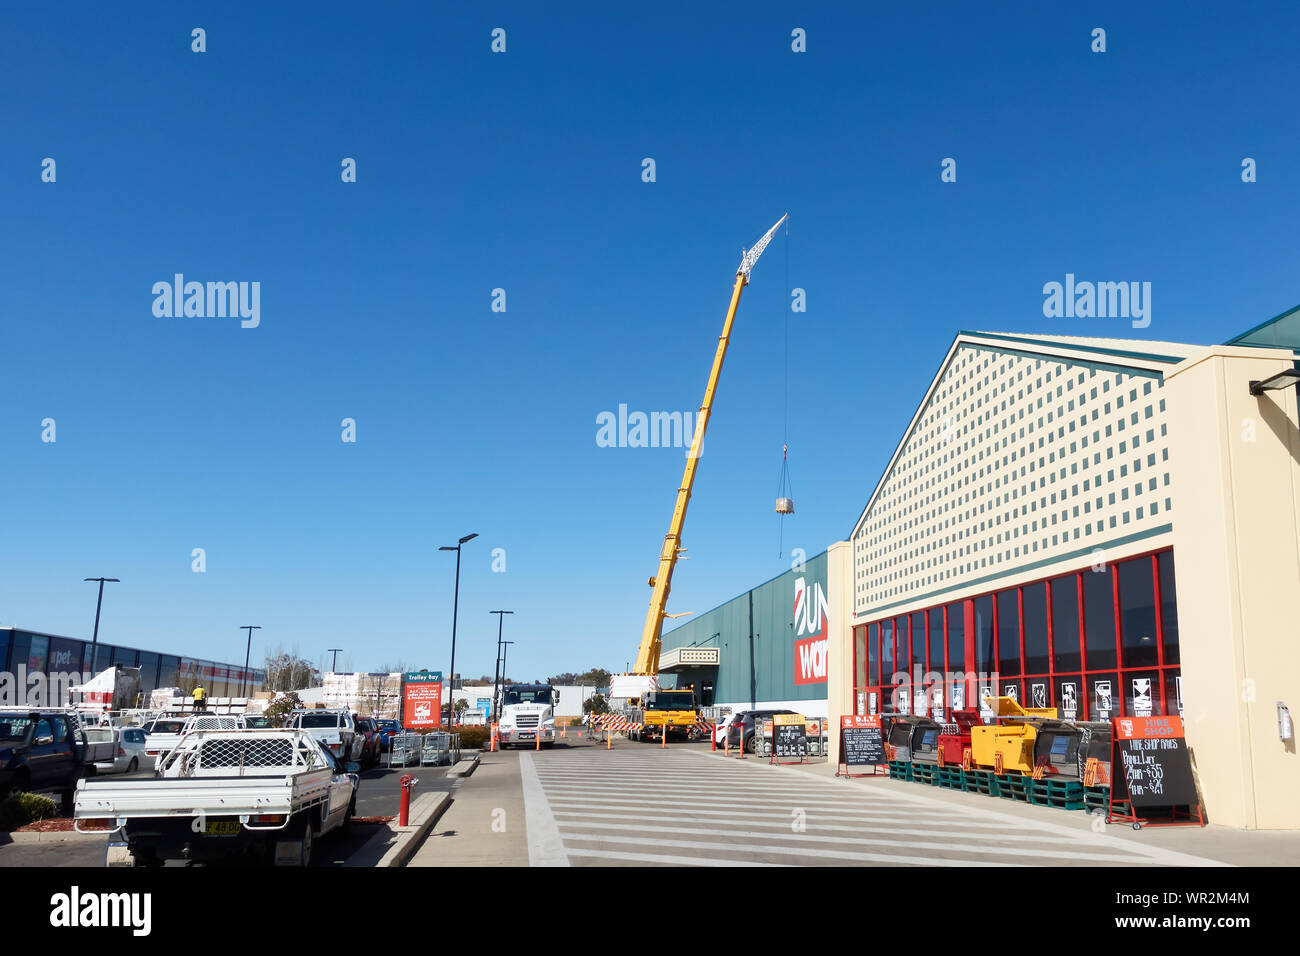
(333, 728)
(221, 794)
(744, 729)
(45, 750)
(386, 730)
(131, 754)
(723, 726)
(256, 721)
(371, 746)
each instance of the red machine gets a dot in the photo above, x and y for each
(953, 745)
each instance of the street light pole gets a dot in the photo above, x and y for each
(505, 648)
(94, 640)
(250, 628)
(496, 679)
(455, 613)
(334, 667)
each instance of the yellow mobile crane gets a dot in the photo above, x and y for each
(653, 707)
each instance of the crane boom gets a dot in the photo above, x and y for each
(647, 658)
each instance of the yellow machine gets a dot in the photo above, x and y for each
(1008, 745)
(636, 687)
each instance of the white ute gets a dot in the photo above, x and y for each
(159, 742)
(221, 794)
(335, 729)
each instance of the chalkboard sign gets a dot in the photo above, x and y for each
(1152, 766)
(862, 744)
(789, 736)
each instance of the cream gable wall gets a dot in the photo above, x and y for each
(1018, 460)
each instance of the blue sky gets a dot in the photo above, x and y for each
(522, 171)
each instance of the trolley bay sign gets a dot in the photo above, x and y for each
(422, 699)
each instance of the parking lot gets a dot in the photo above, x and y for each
(637, 805)
(378, 796)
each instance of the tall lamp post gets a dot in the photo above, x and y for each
(335, 666)
(496, 680)
(94, 640)
(250, 628)
(455, 611)
(505, 647)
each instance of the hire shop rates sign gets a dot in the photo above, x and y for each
(1152, 772)
(422, 700)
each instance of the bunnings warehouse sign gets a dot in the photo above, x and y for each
(422, 699)
(810, 645)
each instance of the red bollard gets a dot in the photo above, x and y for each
(404, 814)
(713, 737)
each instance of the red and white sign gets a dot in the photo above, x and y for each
(810, 608)
(850, 721)
(422, 706)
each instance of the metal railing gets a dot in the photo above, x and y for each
(440, 748)
(405, 749)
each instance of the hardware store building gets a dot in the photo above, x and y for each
(1110, 527)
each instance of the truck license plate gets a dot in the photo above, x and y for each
(526, 735)
(221, 828)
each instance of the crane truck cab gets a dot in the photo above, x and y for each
(656, 710)
(527, 714)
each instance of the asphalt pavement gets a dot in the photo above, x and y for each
(379, 795)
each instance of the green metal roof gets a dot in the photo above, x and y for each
(1281, 331)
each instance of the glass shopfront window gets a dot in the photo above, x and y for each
(1099, 619)
(918, 644)
(887, 667)
(1142, 694)
(148, 671)
(1035, 599)
(1065, 624)
(956, 637)
(1008, 633)
(169, 671)
(126, 656)
(936, 639)
(1097, 681)
(1168, 607)
(1068, 698)
(1103, 696)
(985, 662)
(36, 653)
(1137, 602)
(873, 655)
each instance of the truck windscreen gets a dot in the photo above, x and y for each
(667, 700)
(528, 695)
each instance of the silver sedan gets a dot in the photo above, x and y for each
(131, 755)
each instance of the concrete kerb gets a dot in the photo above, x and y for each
(393, 845)
(464, 767)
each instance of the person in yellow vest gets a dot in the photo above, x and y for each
(200, 698)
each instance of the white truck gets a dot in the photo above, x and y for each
(163, 734)
(527, 713)
(221, 794)
(335, 729)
